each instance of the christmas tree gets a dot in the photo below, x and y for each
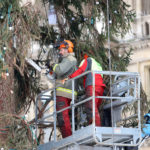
(74, 20)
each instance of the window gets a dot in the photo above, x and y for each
(134, 4)
(146, 28)
(142, 29)
(145, 7)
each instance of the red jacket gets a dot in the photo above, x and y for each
(86, 65)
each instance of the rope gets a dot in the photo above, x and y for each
(110, 69)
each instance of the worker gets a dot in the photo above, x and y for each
(64, 87)
(146, 126)
(87, 64)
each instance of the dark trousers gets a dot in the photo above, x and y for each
(63, 117)
(89, 104)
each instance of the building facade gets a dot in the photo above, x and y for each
(139, 40)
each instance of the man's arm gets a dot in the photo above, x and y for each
(82, 68)
(64, 67)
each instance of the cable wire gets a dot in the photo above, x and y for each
(110, 69)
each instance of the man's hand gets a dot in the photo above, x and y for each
(49, 65)
(50, 68)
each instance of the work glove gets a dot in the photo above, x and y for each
(50, 68)
(49, 65)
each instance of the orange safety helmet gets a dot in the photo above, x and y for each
(67, 44)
